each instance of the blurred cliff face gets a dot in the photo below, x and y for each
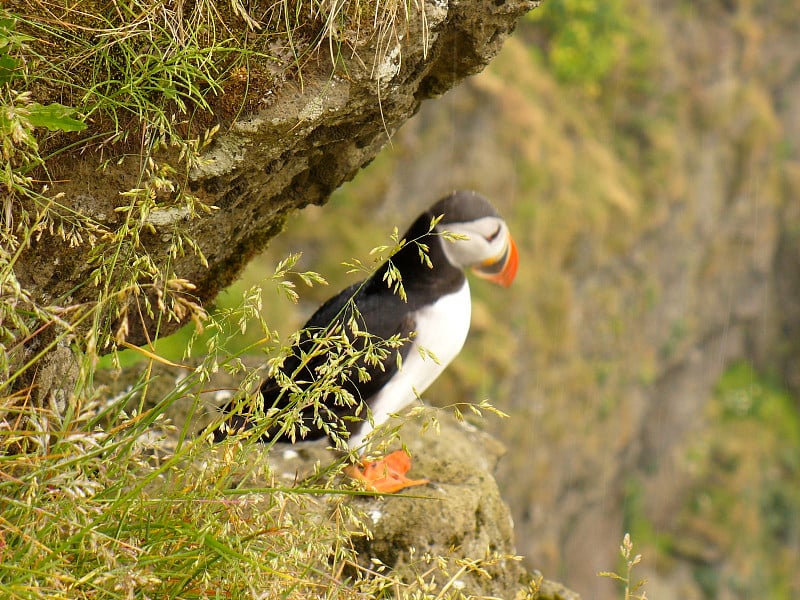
(653, 193)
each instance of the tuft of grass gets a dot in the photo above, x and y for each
(124, 268)
(95, 507)
(632, 589)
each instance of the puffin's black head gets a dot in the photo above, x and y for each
(487, 248)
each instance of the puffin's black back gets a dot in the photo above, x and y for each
(380, 311)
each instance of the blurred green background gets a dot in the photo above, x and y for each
(645, 155)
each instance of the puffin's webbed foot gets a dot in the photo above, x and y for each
(385, 475)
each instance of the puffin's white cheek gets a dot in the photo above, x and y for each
(464, 253)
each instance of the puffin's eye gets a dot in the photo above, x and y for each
(493, 237)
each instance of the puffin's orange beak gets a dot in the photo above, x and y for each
(500, 269)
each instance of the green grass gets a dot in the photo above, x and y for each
(94, 506)
(92, 509)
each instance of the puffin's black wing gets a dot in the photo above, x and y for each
(378, 314)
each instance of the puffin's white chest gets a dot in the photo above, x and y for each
(441, 329)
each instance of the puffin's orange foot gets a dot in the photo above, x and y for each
(387, 474)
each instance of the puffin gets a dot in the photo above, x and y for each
(402, 326)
